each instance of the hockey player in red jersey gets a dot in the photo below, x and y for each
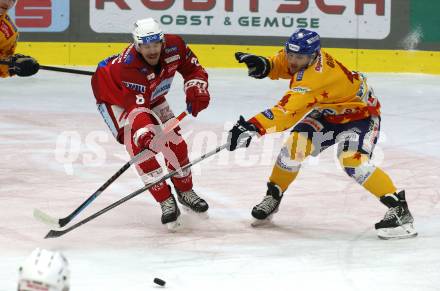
(130, 90)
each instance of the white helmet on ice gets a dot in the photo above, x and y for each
(147, 31)
(44, 270)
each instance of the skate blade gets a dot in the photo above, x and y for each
(261, 222)
(400, 232)
(200, 215)
(268, 220)
(174, 225)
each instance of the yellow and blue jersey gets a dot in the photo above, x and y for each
(327, 86)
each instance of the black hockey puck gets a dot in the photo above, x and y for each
(159, 282)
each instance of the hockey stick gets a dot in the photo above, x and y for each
(66, 70)
(60, 222)
(56, 69)
(58, 233)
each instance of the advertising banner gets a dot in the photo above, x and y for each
(41, 15)
(348, 19)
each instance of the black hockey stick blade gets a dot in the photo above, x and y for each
(54, 233)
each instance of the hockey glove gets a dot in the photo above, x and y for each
(144, 138)
(197, 95)
(154, 139)
(241, 134)
(259, 67)
(23, 66)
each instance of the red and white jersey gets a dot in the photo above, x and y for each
(129, 82)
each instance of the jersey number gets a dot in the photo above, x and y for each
(140, 99)
(195, 61)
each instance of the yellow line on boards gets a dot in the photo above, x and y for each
(222, 56)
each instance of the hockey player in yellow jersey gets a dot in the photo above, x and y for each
(326, 104)
(12, 64)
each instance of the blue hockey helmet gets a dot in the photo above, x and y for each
(303, 41)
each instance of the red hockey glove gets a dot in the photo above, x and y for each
(144, 137)
(197, 95)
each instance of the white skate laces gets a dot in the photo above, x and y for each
(190, 197)
(268, 204)
(168, 206)
(390, 214)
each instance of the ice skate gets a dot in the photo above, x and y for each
(264, 211)
(192, 203)
(398, 221)
(170, 214)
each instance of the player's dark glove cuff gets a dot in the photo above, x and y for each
(241, 134)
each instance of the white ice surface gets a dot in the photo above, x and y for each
(321, 239)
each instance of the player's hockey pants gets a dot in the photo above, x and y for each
(175, 153)
(355, 140)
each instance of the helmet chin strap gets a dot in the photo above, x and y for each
(312, 59)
